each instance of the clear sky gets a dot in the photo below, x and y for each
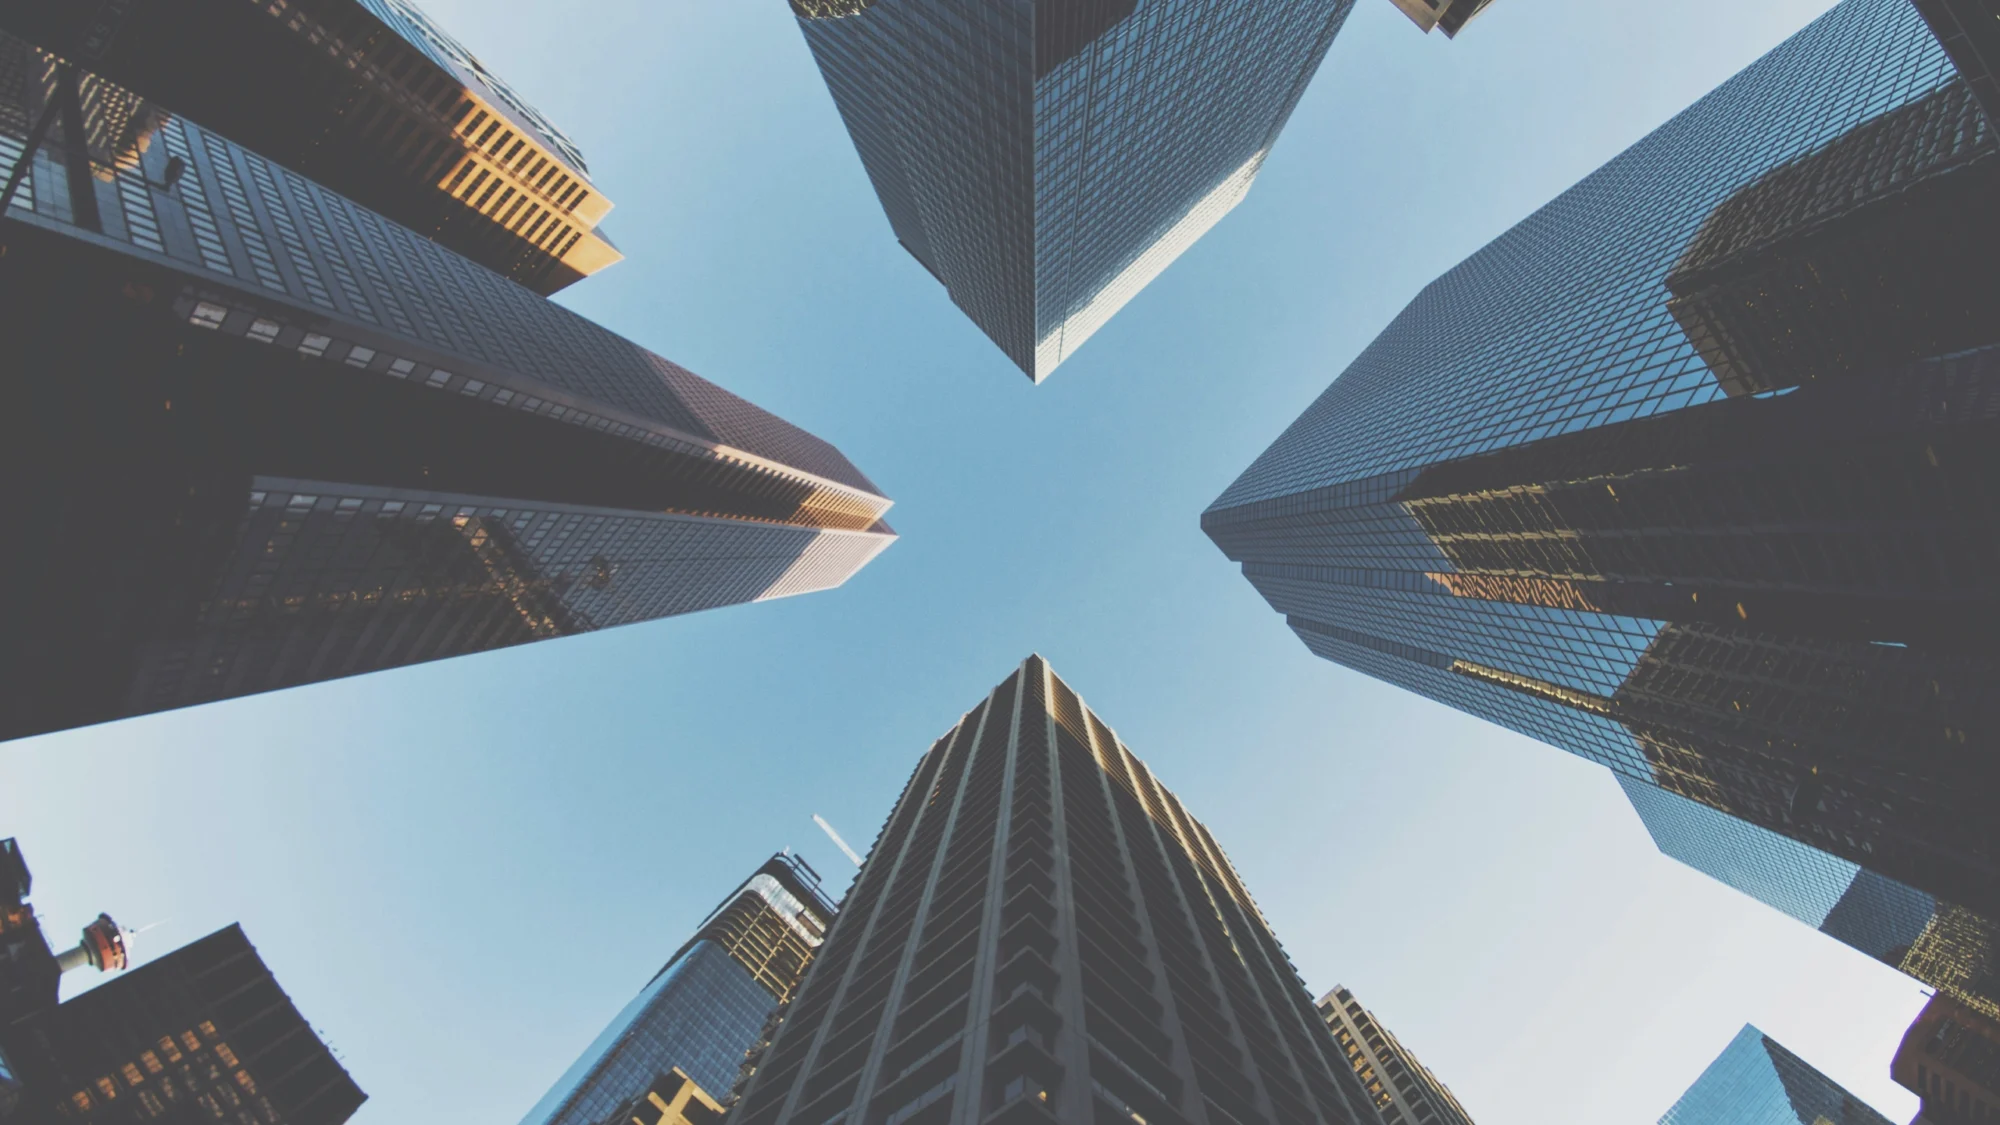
(460, 871)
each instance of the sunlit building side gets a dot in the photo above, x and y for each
(1403, 1089)
(314, 444)
(703, 1011)
(370, 98)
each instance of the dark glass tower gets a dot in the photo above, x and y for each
(1970, 32)
(1042, 933)
(1405, 1092)
(1046, 160)
(1756, 1081)
(1695, 472)
(367, 97)
(1946, 946)
(259, 436)
(704, 1010)
(202, 1034)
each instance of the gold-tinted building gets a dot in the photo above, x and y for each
(368, 97)
(1405, 1092)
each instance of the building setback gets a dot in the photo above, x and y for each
(314, 444)
(703, 1011)
(1041, 933)
(1692, 472)
(1756, 1081)
(1942, 944)
(369, 98)
(1405, 1092)
(1045, 161)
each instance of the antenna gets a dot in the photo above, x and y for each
(835, 837)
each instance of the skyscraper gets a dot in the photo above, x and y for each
(1691, 472)
(1449, 16)
(1970, 32)
(704, 1009)
(1405, 1092)
(1950, 1057)
(367, 97)
(313, 444)
(1756, 1081)
(1944, 945)
(201, 1034)
(1045, 161)
(1041, 933)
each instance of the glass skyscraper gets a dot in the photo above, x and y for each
(707, 1007)
(1043, 935)
(1046, 159)
(367, 97)
(1692, 471)
(313, 443)
(1946, 946)
(1756, 1081)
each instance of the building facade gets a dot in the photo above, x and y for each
(1448, 16)
(1950, 1057)
(703, 1011)
(1944, 945)
(1042, 933)
(316, 444)
(1690, 472)
(1756, 1081)
(1404, 1091)
(1046, 160)
(367, 97)
(201, 1034)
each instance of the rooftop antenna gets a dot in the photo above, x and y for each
(835, 837)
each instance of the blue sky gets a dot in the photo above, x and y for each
(461, 870)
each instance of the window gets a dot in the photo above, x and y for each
(401, 368)
(358, 356)
(438, 379)
(472, 387)
(263, 331)
(207, 314)
(314, 344)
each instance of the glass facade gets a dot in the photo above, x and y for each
(1946, 946)
(1046, 159)
(1043, 934)
(1690, 472)
(707, 1007)
(318, 444)
(370, 98)
(1756, 1081)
